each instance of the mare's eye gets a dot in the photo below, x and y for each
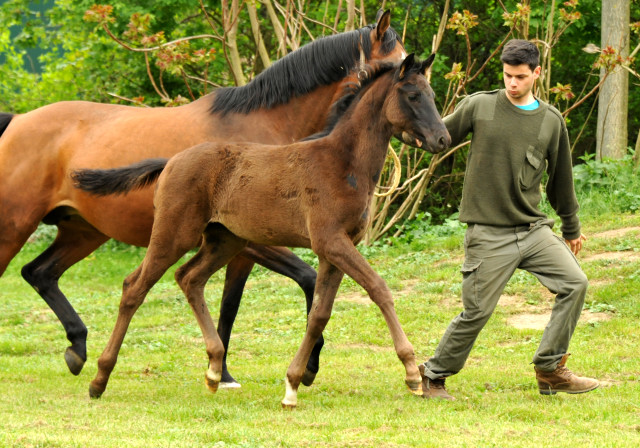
(414, 96)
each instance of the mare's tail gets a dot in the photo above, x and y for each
(119, 180)
(5, 119)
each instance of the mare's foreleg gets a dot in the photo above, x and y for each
(75, 240)
(329, 278)
(218, 247)
(340, 251)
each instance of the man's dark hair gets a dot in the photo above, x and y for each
(518, 51)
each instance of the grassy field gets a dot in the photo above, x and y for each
(157, 398)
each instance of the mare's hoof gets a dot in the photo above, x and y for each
(74, 361)
(308, 377)
(227, 381)
(95, 392)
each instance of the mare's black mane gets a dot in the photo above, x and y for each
(319, 63)
(350, 95)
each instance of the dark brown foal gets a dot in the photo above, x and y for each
(315, 193)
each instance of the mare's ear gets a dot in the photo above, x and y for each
(405, 67)
(427, 63)
(383, 20)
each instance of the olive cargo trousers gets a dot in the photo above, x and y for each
(492, 254)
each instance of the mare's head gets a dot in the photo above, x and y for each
(411, 109)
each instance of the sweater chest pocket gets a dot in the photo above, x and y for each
(532, 168)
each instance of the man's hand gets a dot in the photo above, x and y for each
(576, 244)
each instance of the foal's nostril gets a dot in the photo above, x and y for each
(443, 143)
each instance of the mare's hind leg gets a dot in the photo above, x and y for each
(218, 247)
(329, 278)
(75, 240)
(277, 259)
(237, 272)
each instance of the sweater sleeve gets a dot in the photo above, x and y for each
(560, 189)
(460, 123)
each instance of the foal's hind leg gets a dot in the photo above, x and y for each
(169, 241)
(75, 240)
(218, 247)
(277, 259)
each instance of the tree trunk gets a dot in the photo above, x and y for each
(230, 17)
(613, 102)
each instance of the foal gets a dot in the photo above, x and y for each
(315, 193)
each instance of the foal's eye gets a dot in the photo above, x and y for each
(414, 96)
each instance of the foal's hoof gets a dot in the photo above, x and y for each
(415, 387)
(212, 381)
(95, 392)
(74, 361)
(308, 377)
(288, 406)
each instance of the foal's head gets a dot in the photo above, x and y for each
(411, 109)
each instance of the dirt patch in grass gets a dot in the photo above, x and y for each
(540, 321)
(626, 255)
(615, 233)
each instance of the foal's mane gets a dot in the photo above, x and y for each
(351, 94)
(319, 63)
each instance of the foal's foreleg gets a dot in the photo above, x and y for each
(341, 252)
(218, 247)
(329, 278)
(285, 262)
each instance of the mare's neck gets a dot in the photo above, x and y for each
(285, 123)
(363, 136)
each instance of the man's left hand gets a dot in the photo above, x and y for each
(576, 244)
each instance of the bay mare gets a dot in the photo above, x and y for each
(39, 149)
(315, 193)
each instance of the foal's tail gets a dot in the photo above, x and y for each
(5, 119)
(119, 180)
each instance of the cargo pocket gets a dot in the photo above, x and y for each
(531, 168)
(470, 282)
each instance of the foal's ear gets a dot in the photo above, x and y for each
(383, 20)
(427, 63)
(406, 66)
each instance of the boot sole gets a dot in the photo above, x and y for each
(555, 391)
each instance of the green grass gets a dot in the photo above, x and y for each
(156, 396)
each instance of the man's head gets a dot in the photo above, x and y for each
(521, 66)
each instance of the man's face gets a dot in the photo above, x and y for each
(519, 80)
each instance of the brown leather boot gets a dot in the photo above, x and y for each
(433, 388)
(563, 380)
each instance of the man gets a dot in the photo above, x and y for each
(515, 138)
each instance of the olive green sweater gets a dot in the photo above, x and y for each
(510, 149)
